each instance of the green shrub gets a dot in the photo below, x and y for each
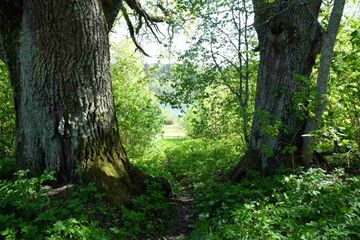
(137, 109)
(148, 217)
(7, 125)
(30, 210)
(310, 205)
(190, 163)
(216, 116)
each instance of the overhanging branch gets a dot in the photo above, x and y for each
(113, 7)
(131, 29)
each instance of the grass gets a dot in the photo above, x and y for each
(173, 131)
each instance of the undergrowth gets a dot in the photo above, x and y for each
(300, 204)
(305, 205)
(31, 210)
(311, 204)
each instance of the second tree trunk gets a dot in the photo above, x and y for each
(289, 39)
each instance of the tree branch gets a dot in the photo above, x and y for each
(327, 53)
(138, 9)
(131, 29)
(113, 7)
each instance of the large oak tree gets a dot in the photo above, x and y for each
(57, 55)
(290, 38)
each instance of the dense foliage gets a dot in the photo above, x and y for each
(341, 122)
(7, 125)
(306, 205)
(215, 116)
(30, 209)
(309, 204)
(137, 109)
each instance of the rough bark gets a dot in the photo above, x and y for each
(290, 37)
(327, 53)
(57, 53)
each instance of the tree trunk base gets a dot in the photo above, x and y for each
(120, 186)
(249, 162)
(252, 162)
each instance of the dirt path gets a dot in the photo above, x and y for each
(183, 217)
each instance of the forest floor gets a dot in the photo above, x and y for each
(190, 166)
(297, 204)
(207, 206)
(183, 218)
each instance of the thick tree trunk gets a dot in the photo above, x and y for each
(289, 40)
(65, 110)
